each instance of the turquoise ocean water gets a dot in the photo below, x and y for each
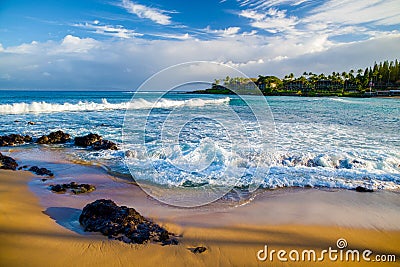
(319, 142)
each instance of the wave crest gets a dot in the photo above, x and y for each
(45, 107)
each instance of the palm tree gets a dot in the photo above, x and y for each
(344, 75)
(351, 74)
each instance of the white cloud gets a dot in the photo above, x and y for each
(353, 12)
(142, 11)
(23, 48)
(357, 19)
(109, 30)
(273, 20)
(69, 44)
(243, 64)
(172, 36)
(252, 32)
(227, 32)
(252, 14)
(73, 44)
(265, 4)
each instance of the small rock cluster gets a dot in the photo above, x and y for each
(123, 223)
(14, 139)
(74, 187)
(41, 171)
(95, 141)
(58, 137)
(7, 163)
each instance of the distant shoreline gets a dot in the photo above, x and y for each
(353, 95)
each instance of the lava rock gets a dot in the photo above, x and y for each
(95, 141)
(363, 189)
(199, 250)
(105, 144)
(41, 171)
(14, 139)
(58, 137)
(58, 188)
(7, 163)
(74, 187)
(122, 223)
(87, 140)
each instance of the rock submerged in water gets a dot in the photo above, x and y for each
(41, 171)
(58, 137)
(7, 163)
(74, 187)
(14, 139)
(95, 141)
(122, 223)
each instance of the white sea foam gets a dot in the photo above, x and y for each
(337, 99)
(308, 169)
(44, 107)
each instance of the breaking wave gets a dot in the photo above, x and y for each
(45, 107)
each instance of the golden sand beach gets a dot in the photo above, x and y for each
(30, 237)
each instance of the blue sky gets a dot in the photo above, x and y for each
(117, 44)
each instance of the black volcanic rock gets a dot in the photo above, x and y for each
(14, 139)
(122, 223)
(7, 163)
(95, 141)
(58, 137)
(41, 171)
(74, 187)
(363, 189)
(87, 140)
(104, 144)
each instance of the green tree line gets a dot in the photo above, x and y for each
(381, 76)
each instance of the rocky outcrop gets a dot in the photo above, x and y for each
(14, 139)
(41, 171)
(95, 141)
(122, 223)
(73, 187)
(58, 137)
(105, 144)
(87, 140)
(7, 163)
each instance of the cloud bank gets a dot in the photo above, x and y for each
(86, 63)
